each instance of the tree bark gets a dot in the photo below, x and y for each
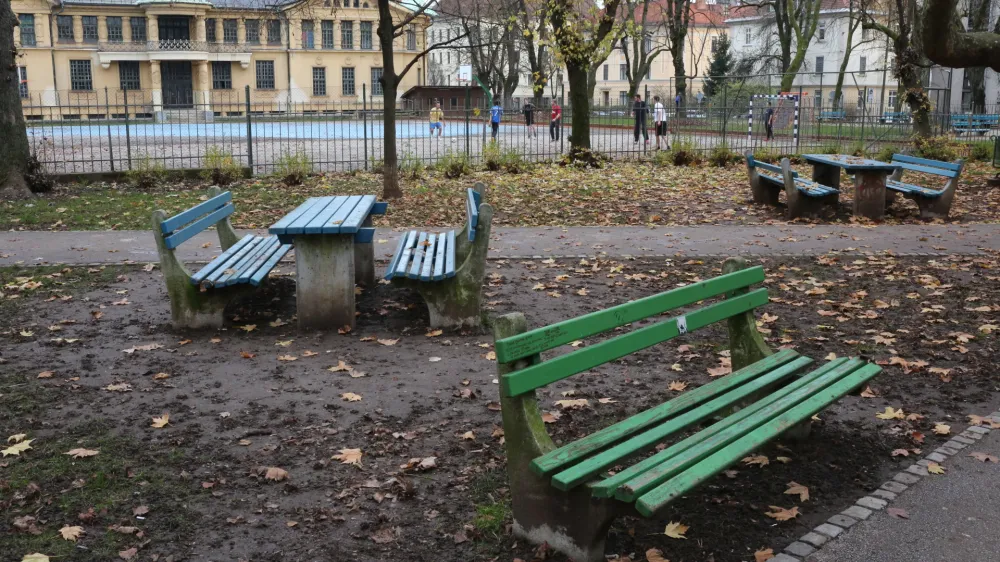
(680, 76)
(945, 41)
(14, 150)
(390, 168)
(579, 88)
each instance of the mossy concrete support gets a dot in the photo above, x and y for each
(802, 205)
(364, 260)
(763, 192)
(573, 522)
(746, 345)
(190, 306)
(324, 273)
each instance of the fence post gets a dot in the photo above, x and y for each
(798, 122)
(562, 136)
(725, 111)
(111, 146)
(249, 131)
(468, 109)
(364, 119)
(128, 134)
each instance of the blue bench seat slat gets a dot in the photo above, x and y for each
(419, 251)
(910, 188)
(265, 269)
(813, 189)
(258, 264)
(180, 219)
(439, 258)
(325, 216)
(186, 233)
(472, 209)
(235, 262)
(429, 254)
(449, 263)
(354, 219)
(772, 179)
(243, 273)
(223, 258)
(231, 272)
(928, 170)
(391, 271)
(404, 260)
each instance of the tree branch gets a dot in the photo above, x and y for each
(948, 44)
(423, 53)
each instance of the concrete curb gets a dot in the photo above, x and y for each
(838, 525)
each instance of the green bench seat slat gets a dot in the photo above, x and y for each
(572, 452)
(660, 496)
(583, 471)
(542, 339)
(186, 233)
(182, 218)
(558, 368)
(669, 463)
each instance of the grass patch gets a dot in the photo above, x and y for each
(18, 283)
(55, 489)
(492, 504)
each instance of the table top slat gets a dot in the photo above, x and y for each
(356, 218)
(315, 226)
(849, 163)
(299, 225)
(281, 226)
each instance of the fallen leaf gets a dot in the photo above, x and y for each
(782, 514)
(351, 397)
(36, 557)
(655, 555)
(129, 554)
(346, 329)
(763, 555)
(898, 513)
(900, 452)
(676, 530)
(935, 468)
(469, 436)
(759, 460)
(140, 510)
(677, 386)
(340, 366)
(45, 375)
(573, 404)
(275, 473)
(82, 453)
(119, 387)
(248, 327)
(287, 358)
(942, 429)
(891, 413)
(161, 421)
(388, 342)
(349, 456)
(796, 488)
(984, 457)
(868, 393)
(71, 533)
(434, 333)
(17, 437)
(277, 323)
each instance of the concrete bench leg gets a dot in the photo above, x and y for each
(364, 261)
(324, 271)
(869, 194)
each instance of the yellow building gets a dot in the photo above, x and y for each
(158, 57)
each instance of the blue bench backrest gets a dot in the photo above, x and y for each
(753, 162)
(472, 201)
(926, 166)
(183, 226)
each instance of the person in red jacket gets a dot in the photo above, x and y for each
(555, 121)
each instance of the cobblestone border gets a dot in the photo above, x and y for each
(809, 543)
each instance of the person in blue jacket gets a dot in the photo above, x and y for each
(495, 114)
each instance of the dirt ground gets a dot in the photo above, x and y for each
(89, 360)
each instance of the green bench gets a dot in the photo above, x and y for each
(565, 495)
(804, 197)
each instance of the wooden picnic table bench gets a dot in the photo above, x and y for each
(836, 115)
(933, 203)
(199, 300)
(974, 123)
(446, 268)
(804, 197)
(895, 117)
(563, 495)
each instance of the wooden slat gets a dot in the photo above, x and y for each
(584, 470)
(262, 246)
(623, 484)
(186, 233)
(449, 257)
(248, 272)
(380, 208)
(439, 256)
(472, 210)
(250, 264)
(929, 170)
(336, 223)
(326, 216)
(364, 235)
(223, 258)
(660, 496)
(353, 221)
(548, 337)
(281, 226)
(925, 162)
(391, 271)
(429, 255)
(419, 252)
(211, 277)
(770, 167)
(182, 218)
(572, 452)
(265, 269)
(298, 225)
(404, 260)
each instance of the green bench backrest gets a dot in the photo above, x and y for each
(530, 344)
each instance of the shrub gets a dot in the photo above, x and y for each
(34, 174)
(857, 149)
(935, 148)
(684, 153)
(766, 155)
(454, 165)
(584, 158)
(492, 156)
(981, 151)
(513, 162)
(722, 156)
(829, 148)
(411, 167)
(377, 165)
(293, 168)
(885, 153)
(220, 167)
(146, 174)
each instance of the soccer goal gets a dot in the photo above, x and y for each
(786, 113)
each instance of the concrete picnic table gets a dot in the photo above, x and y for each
(869, 179)
(332, 237)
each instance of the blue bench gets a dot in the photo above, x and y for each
(933, 203)
(974, 123)
(448, 268)
(199, 300)
(895, 117)
(798, 192)
(837, 115)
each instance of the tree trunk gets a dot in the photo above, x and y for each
(977, 85)
(390, 168)
(680, 76)
(14, 150)
(579, 92)
(916, 97)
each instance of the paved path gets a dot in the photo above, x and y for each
(953, 518)
(32, 247)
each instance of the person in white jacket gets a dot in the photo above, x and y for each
(660, 122)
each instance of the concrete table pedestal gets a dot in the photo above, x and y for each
(325, 274)
(869, 180)
(869, 194)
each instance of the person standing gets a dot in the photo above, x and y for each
(639, 110)
(555, 121)
(437, 119)
(660, 122)
(529, 118)
(495, 114)
(769, 121)
(677, 101)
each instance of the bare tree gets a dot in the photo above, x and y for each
(949, 44)
(853, 22)
(795, 25)
(14, 152)
(534, 38)
(641, 37)
(491, 27)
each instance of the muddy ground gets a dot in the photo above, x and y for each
(197, 488)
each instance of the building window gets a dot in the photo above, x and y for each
(79, 75)
(865, 33)
(265, 75)
(222, 75)
(252, 31)
(89, 29)
(376, 81)
(128, 75)
(818, 97)
(65, 28)
(819, 65)
(892, 99)
(22, 83)
(821, 32)
(230, 33)
(347, 35)
(411, 39)
(326, 30)
(448, 54)
(347, 80)
(622, 98)
(210, 34)
(746, 36)
(862, 65)
(649, 72)
(138, 26)
(308, 35)
(115, 34)
(273, 32)
(622, 72)
(647, 44)
(605, 72)
(319, 81)
(366, 35)
(27, 25)
(715, 45)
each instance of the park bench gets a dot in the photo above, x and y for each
(564, 495)
(974, 123)
(446, 268)
(804, 197)
(199, 300)
(895, 117)
(837, 115)
(933, 203)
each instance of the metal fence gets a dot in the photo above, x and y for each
(104, 131)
